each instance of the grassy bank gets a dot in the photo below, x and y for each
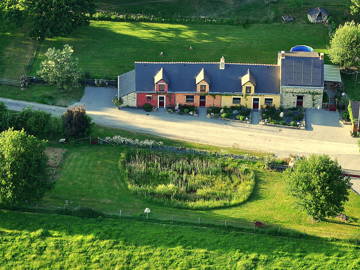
(107, 49)
(43, 94)
(90, 176)
(60, 242)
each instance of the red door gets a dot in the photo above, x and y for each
(202, 101)
(299, 101)
(255, 103)
(161, 101)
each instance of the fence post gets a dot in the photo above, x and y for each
(120, 212)
(225, 224)
(199, 220)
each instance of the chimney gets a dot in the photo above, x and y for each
(222, 63)
(322, 56)
(282, 54)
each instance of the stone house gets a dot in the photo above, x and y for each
(296, 80)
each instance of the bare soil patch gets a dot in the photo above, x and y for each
(55, 157)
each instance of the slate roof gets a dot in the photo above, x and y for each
(318, 13)
(181, 76)
(300, 70)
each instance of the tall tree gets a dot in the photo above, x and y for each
(345, 45)
(60, 68)
(23, 168)
(319, 186)
(57, 17)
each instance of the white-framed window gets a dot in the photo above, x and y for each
(268, 101)
(148, 98)
(189, 99)
(202, 87)
(236, 101)
(161, 87)
(248, 89)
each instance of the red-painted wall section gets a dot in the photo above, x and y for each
(152, 98)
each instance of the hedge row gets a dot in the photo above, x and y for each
(118, 17)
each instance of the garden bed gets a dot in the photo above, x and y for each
(289, 118)
(187, 181)
(238, 113)
(184, 110)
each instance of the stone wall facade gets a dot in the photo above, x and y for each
(129, 100)
(313, 97)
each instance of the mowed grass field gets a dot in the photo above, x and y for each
(39, 241)
(107, 49)
(91, 177)
(254, 10)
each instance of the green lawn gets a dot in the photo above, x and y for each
(255, 10)
(43, 94)
(39, 241)
(107, 49)
(16, 51)
(91, 177)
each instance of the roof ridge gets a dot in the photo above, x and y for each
(184, 62)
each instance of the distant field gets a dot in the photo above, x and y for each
(107, 49)
(39, 241)
(253, 10)
(16, 50)
(91, 177)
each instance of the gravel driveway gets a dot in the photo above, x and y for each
(327, 139)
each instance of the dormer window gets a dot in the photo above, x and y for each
(203, 87)
(162, 87)
(161, 82)
(248, 83)
(202, 82)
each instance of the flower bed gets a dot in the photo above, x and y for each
(240, 113)
(184, 109)
(119, 140)
(293, 117)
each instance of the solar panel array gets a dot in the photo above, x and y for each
(302, 71)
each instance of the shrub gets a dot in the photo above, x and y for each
(240, 117)
(148, 107)
(117, 101)
(225, 115)
(76, 123)
(346, 115)
(23, 170)
(293, 123)
(37, 123)
(5, 117)
(214, 110)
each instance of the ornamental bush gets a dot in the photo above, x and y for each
(148, 107)
(76, 123)
(23, 168)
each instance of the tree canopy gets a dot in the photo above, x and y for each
(49, 18)
(60, 68)
(355, 9)
(345, 45)
(23, 168)
(319, 186)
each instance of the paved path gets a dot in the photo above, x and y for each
(327, 139)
